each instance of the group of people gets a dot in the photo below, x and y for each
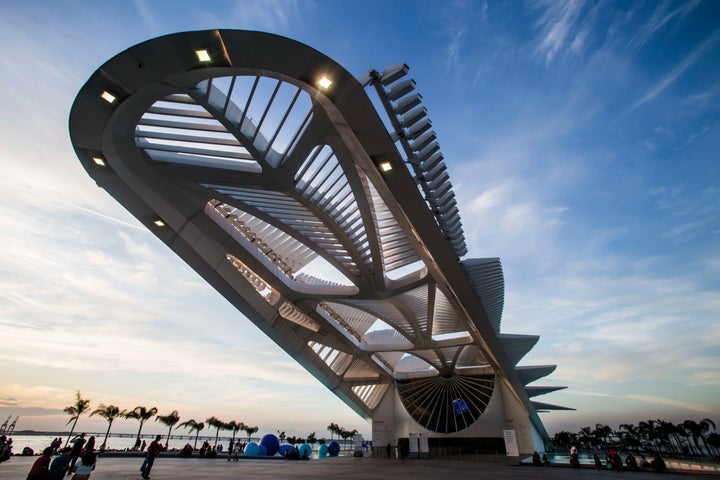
(5, 448)
(539, 462)
(80, 459)
(402, 450)
(236, 449)
(614, 461)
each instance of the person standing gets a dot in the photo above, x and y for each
(85, 466)
(152, 452)
(60, 465)
(78, 443)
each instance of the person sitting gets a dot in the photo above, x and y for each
(598, 463)
(545, 460)
(204, 449)
(536, 459)
(186, 450)
(630, 462)
(574, 457)
(658, 464)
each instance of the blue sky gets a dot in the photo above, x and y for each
(582, 139)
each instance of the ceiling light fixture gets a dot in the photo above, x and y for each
(99, 161)
(203, 56)
(324, 82)
(108, 97)
(385, 166)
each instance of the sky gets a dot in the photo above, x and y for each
(582, 140)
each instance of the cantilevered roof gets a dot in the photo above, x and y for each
(265, 166)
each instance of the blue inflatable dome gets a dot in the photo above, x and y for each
(252, 449)
(262, 451)
(284, 449)
(271, 443)
(334, 448)
(323, 451)
(305, 450)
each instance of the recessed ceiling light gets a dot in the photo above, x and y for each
(108, 97)
(324, 82)
(385, 166)
(99, 161)
(159, 223)
(203, 56)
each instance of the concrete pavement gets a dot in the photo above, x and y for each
(345, 468)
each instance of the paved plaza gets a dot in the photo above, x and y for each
(345, 468)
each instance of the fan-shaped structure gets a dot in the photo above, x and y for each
(265, 166)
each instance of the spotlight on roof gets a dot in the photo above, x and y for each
(385, 166)
(324, 82)
(99, 161)
(159, 223)
(203, 56)
(108, 97)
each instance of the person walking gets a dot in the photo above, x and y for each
(153, 451)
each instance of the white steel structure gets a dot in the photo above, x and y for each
(265, 166)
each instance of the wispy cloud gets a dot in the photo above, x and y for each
(561, 29)
(673, 403)
(676, 72)
(660, 18)
(148, 17)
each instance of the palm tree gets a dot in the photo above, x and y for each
(193, 425)
(142, 414)
(81, 406)
(250, 430)
(109, 413)
(347, 434)
(585, 436)
(333, 428)
(235, 427)
(218, 424)
(631, 435)
(602, 432)
(311, 438)
(705, 428)
(169, 421)
(698, 431)
(648, 431)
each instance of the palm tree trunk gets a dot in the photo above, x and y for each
(137, 439)
(167, 442)
(106, 435)
(196, 437)
(71, 432)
